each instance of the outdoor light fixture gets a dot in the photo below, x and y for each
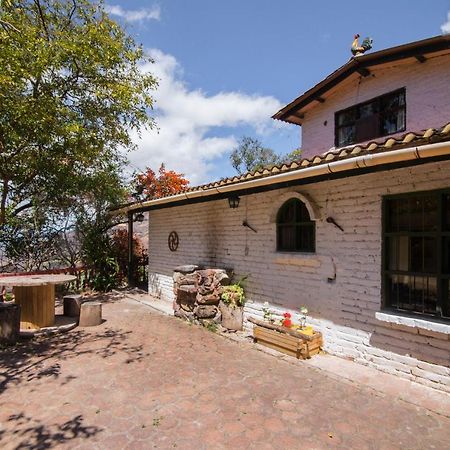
(233, 201)
(139, 217)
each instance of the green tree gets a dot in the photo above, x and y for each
(250, 155)
(71, 91)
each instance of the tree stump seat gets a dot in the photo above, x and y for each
(9, 323)
(90, 314)
(72, 305)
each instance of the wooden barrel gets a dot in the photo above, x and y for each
(37, 306)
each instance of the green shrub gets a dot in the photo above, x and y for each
(233, 295)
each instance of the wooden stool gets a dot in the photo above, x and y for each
(90, 314)
(72, 304)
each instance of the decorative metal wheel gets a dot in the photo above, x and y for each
(173, 241)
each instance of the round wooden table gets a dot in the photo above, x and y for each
(36, 296)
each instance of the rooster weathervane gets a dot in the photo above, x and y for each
(358, 50)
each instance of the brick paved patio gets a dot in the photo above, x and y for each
(145, 380)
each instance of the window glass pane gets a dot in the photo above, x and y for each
(367, 127)
(287, 212)
(302, 212)
(429, 286)
(446, 207)
(391, 250)
(380, 116)
(346, 135)
(366, 110)
(393, 101)
(392, 121)
(295, 229)
(419, 246)
(446, 255)
(430, 210)
(414, 293)
(397, 255)
(423, 213)
(403, 253)
(403, 214)
(423, 254)
(305, 238)
(346, 117)
(402, 285)
(392, 291)
(392, 213)
(286, 237)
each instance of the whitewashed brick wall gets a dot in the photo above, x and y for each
(427, 99)
(344, 309)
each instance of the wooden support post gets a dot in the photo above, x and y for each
(131, 280)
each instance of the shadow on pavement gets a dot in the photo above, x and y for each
(41, 357)
(34, 435)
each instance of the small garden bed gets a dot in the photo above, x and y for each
(300, 343)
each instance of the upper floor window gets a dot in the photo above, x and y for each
(378, 117)
(416, 246)
(295, 229)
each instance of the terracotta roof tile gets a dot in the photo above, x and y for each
(427, 136)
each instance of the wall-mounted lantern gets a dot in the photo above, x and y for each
(139, 217)
(233, 201)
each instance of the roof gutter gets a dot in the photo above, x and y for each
(346, 165)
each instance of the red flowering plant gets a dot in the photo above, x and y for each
(286, 321)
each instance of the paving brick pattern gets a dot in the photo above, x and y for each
(142, 380)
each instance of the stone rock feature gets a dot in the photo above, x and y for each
(197, 293)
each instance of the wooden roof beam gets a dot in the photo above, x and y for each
(364, 71)
(420, 58)
(320, 99)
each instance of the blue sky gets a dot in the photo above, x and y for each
(226, 66)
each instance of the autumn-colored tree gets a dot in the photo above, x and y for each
(167, 182)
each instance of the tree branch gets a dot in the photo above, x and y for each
(21, 208)
(41, 15)
(8, 26)
(5, 190)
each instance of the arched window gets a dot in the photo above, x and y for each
(296, 232)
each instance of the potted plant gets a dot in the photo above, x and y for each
(232, 306)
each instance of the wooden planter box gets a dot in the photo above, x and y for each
(292, 343)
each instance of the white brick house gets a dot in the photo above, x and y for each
(360, 233)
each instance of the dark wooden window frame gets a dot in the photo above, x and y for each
(442, 276)
(310, 224)
(377, 100)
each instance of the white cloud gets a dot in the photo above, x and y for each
(136, 15)
(186, 119)
(445, 28)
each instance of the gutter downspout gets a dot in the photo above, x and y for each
(358, 162)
